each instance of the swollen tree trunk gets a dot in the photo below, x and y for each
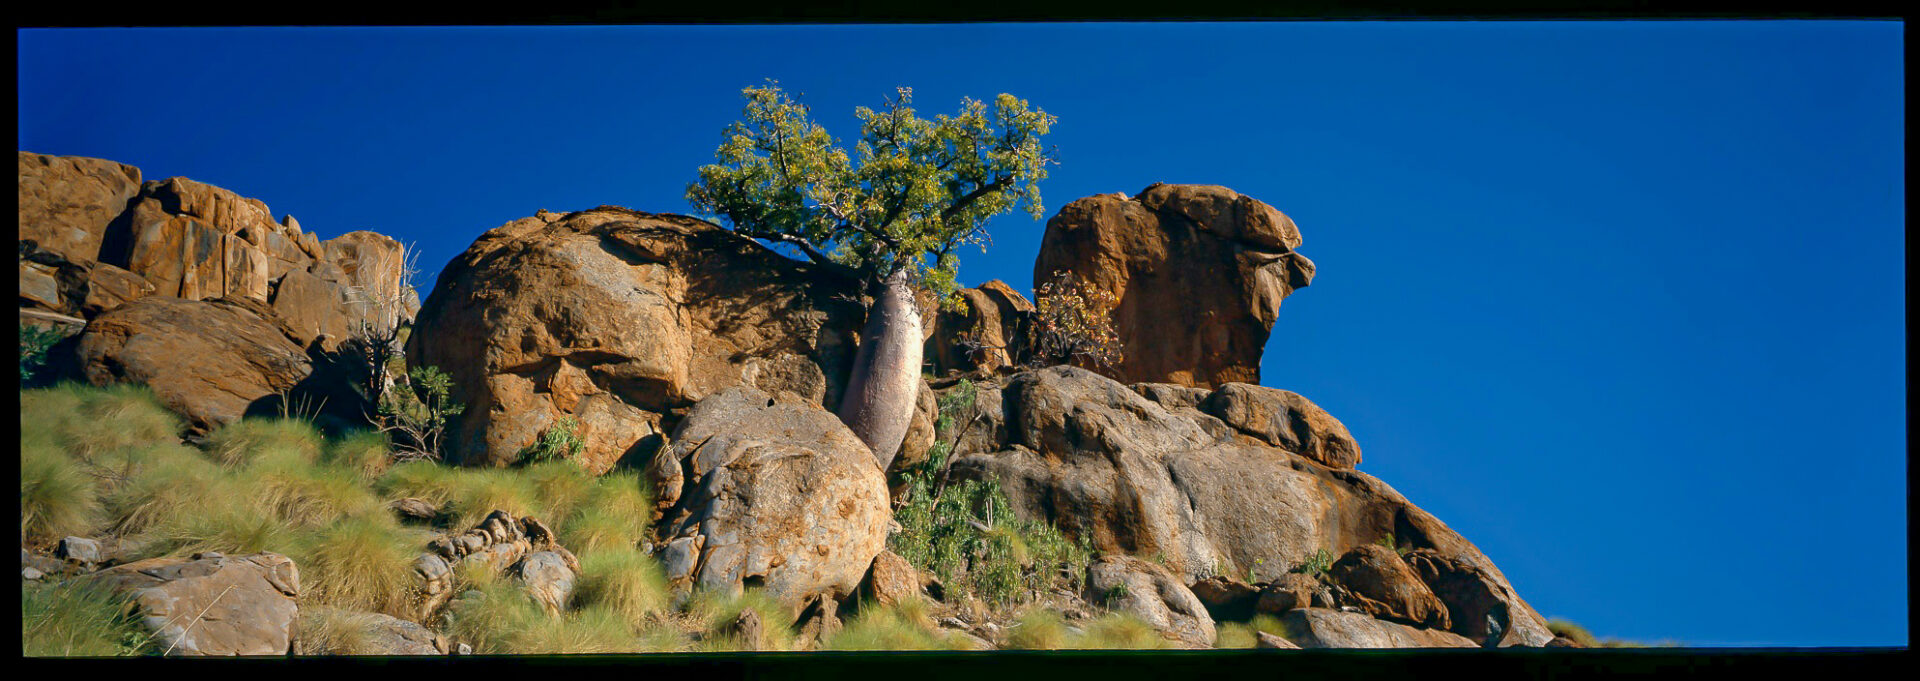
(886, 372)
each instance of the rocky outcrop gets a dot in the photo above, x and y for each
(1199, 272)
(67, 202)
(208, 360)
(498, 543)
(617, 319)
(94, 237)
(1379, 584)
(986, 336)
(1101, 461)
(1148, 591)
(770, 492)
(1323, 628)
(1285, 420)
(213, 604)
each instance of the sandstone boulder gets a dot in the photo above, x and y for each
(995, 321)
(771, 492)
(1382, 586)
(381, 634)
(67, 202)
(213, 604)
(1199, 272)
(1293, 591)
(1099, 460)
(1477, 602)
(892, 580)
(1269, 641)
(1148, 591)
(207, 360)
(547, 579)
(1323, 628)
(618, 318)
(1285, 420)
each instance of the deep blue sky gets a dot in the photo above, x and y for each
(1621, 302)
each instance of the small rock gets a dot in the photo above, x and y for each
(1263, 639)
(414, 509)
(31, 574)
(750, 630)
(80, 550)
(463, 649)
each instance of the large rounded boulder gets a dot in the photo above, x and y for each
(211, 361)
(619, 320)
(768, 491)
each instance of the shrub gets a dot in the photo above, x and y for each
(967, 535)
(1072, 322)
(35, 341)
(414, 412)
(78, 618)
(557, 443)
(1316, 564)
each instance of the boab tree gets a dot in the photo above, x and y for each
(889, 219)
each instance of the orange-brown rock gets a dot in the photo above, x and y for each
(1286, 420)
(1324, 628)
(995, 321)
(1379, 584)
(1199, 272)
(616, 318)
(67, 202)
(892, 580)
(208, 360)
(1103, 462)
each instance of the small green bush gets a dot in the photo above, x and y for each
(362, 562)
(57, 497)
(266, 441)
(35, 341)
(623, 581)
(1316, 564)
(966, 533)
(414, 412)
(558, 442)
(362, 451)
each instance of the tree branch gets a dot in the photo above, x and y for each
(967, 200)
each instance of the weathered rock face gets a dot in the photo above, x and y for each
(616, 318)
(1285, 420)
(778, 493)
(1381, 585)
(1148, 591)
(1199, 271)
(100, 238)
(209, 360)
(66, 202)
(547, 577)
(383, 634)
(213, 604)
(499, 542)
(1100, 460)
(996, 318)
(892, 580)
(1323, 628)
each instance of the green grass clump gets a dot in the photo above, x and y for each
(360, 563)
(1579, 634)
(309, 495)
(252, 441)
(1039, 629)
(614, 513)
(497, 617)
(332, 631)
(623, 581)
(78, 618)
(170, 484)
(467, 493)
(1241, 634)
(57, 497)
(1120, 631)
(559, 486)
(716, 611)
(364, 452)
(86, 421)
(907, 625)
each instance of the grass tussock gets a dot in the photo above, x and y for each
(1040, 629)
(57, 497)
(274, 441)
(623, 581)
(907, 625)
(1120, 631)
(364, 452)
(361, 563)
(1242, 634)
(77, 618)
(613, 514)
(331, 631)
(86, 421)
(716, 611)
